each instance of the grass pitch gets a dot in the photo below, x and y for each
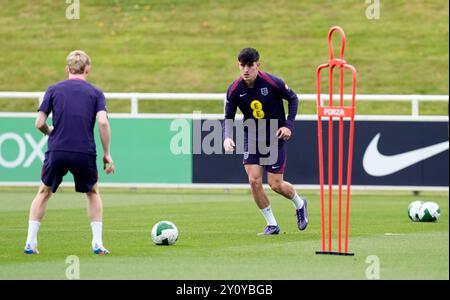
(218, 237)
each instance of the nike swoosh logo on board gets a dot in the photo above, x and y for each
(377, 164)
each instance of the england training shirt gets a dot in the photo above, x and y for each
(74, 104)
(263, 101)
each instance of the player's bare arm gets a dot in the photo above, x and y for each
(105, 137)
(41, 123)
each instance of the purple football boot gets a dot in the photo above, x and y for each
(270, 229)
(302, 216)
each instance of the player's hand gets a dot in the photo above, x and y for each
(228, 145)
(284, 133)
(108, 164)
(50, 130)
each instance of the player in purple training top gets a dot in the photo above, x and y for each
(259, 96)
(75, 105)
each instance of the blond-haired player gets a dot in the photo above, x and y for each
(75, 105)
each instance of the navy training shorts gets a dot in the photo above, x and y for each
(82, 166)
(255, 159)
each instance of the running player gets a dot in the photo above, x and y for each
(259, 96)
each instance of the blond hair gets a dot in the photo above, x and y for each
(77, 61)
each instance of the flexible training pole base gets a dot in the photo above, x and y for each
(335, 253)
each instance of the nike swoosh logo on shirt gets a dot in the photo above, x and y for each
(377, 164)
(242, 95)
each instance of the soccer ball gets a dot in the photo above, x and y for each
(164, 233)
(429, 212)
(413, 210)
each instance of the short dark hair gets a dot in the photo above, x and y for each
(248, 56)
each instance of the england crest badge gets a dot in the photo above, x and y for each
(264, 91)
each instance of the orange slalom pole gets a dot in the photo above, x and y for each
(341, 111)
(320, 156)
(341, 154)
(330, 166)
(350, 157)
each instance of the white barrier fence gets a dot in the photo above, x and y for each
(136, 97)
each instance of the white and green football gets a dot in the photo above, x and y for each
(413, 210)
(429, 212)
(164, 233)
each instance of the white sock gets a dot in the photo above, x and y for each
(96, 234)
(298, 202)
(268, 215)
(33, 228)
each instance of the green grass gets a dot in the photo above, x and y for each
(218, 237)
(191, 46)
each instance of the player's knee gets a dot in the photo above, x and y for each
(276, 185)
(255, 182)
(45, 191)
(93, 191)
